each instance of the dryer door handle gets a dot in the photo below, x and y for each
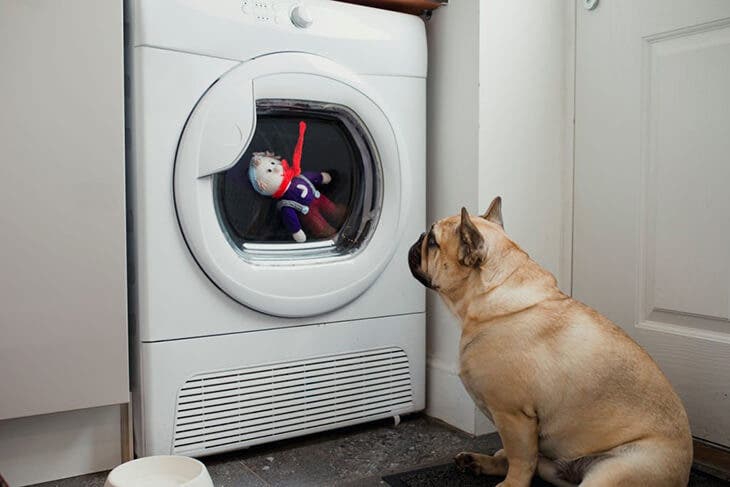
(226, 126)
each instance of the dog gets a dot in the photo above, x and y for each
(572, 396)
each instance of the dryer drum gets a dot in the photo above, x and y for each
(337, 142)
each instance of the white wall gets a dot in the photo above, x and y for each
(453, 164)
(525, 124)
(55, 446)
(500, 100)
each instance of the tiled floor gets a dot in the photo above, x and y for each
(356, 456)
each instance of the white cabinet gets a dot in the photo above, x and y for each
(63, 310)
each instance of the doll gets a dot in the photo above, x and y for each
(300, 203)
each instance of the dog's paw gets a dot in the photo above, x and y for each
(466, 462)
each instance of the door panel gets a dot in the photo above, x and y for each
(63, 289)
(652, 162)
(276, 275)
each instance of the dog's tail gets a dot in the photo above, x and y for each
(567, 473)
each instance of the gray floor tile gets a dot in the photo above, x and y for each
(360, 453)
(369, 482)
(301, 468)
(229, 471)
(91, 480)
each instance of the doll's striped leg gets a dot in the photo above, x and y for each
(333, 212)
(315, 225)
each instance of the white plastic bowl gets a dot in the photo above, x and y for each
(160, 471)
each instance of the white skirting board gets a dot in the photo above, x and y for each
(54, 446)
(447, 400)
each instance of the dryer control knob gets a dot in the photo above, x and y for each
(301, 17)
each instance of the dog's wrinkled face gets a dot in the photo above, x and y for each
(454, 247)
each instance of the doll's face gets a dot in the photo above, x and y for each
(269, 173)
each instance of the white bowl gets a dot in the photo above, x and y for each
(160, 471)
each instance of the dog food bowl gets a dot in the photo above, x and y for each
(160, 471)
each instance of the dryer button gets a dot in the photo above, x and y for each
(301, 17)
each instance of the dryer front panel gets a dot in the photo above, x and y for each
(288, 185)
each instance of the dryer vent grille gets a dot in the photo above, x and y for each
(236, 408)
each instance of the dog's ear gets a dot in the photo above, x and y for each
(472, 250)
(494, 212)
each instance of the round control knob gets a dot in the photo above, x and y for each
(301, 17)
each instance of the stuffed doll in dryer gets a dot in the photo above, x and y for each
(304, 209)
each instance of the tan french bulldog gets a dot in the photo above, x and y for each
(571, 395)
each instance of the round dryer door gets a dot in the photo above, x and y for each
(288, 185)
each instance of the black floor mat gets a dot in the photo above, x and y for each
(448, 476)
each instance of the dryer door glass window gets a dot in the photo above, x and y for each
(271, 210)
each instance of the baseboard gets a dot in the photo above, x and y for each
(446, 398)
(711, 458)
(48, 447)
(482, 424)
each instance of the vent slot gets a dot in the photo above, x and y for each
(236, 408)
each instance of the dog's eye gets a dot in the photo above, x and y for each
(268, 170)
(432, 241)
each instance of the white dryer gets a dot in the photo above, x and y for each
(242, 335)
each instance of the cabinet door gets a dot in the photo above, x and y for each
(63, 318)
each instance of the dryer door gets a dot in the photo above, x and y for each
(244, 241)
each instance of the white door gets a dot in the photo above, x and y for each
(236, 234)
(652, 188)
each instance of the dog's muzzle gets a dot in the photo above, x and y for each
(414, 262)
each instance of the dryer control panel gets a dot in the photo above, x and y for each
(364, 40)
(277, 12)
